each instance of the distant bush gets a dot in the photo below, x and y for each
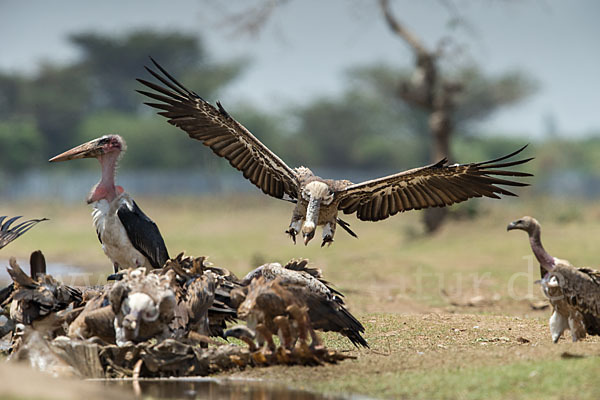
(21, 145)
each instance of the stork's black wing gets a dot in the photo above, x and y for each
(9, 233)
(143, 234)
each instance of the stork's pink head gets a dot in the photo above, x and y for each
(94, 148)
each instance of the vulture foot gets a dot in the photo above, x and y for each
(327, 240)
(292, 232)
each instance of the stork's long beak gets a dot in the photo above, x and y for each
(511, 226)
(91, 149)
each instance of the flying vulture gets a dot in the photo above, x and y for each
(9, 233)
(319, 200)
(129, 238)
(574, 293)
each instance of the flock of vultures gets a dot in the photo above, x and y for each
(162, 316)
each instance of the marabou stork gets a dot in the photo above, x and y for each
(319, 200)
(129, 238)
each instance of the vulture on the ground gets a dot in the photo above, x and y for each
(574, 293)
(319, 200)
(271, 308)
(32, 300)
(326, 307)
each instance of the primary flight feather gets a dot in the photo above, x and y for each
(319, 200)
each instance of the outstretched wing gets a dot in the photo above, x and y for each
(435, 185)
(9, 233)
(143, 234)
(227, 138)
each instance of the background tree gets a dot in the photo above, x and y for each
(441, 102)
(61, 105)
(448, 99)
(113, 63)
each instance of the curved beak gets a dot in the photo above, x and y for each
(132, 323)
(91, 149)
(511, 226)
(308, 236)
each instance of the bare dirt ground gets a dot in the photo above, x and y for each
(452, 316)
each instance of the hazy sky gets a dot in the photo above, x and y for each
(307, 44)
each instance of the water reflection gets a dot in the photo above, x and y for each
(55, 269)
(206, 388)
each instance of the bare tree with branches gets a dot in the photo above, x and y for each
(429, 90)
(441, 96)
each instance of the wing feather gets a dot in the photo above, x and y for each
(9, 232)
(435, 185)
(215, 128)
(143, 234)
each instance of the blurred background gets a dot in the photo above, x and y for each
(353, 89)
(333, 86)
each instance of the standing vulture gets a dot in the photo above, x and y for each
(319, 200)
(574, 293)
(9, 233)
(326, 308)
(129, 238)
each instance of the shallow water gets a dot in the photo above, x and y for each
(208, 388)
(62, 272)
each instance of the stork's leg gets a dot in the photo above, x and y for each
(558, 324)
(116, 276)
(328, 232)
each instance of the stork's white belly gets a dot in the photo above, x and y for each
(115, 242)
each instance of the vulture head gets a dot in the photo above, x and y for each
(315, 193)
(143, 305)
(527, 224)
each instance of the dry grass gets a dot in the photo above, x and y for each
(421, 298)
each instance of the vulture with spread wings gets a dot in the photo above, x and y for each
(318, 200)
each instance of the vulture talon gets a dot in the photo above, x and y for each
(292, 232)
(327, 240)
